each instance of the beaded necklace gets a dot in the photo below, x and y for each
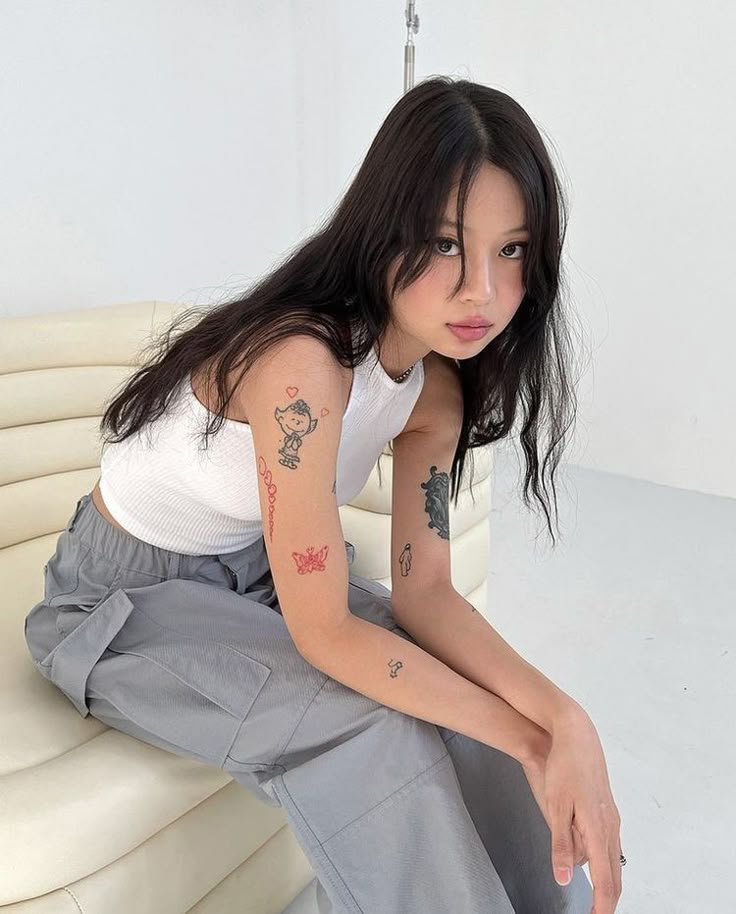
(403, 375)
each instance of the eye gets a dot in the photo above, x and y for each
(516, 244)
(445, 241)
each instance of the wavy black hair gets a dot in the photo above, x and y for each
(334, 285)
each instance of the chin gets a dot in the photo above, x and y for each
(467, 349)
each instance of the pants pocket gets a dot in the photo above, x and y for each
(191, 691)
(62, 571)
(70, 662)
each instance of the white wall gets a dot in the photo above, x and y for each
(175, 149)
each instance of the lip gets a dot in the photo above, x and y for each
(472, 322)
(469, 332)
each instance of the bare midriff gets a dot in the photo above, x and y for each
(102, 508)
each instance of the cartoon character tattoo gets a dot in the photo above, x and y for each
(405, 560)
(309, 561)
(296, 422)
(437, 489)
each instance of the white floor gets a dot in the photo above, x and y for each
(633, 614)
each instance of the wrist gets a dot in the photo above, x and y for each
(569, 715)
(536, 748)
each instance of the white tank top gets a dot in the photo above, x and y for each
(168, 491)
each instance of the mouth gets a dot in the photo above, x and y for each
(473, 326)
(469, 333)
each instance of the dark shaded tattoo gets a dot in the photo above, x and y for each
(296, 421)
(395, 665)
(405, 560)
(334, 487)
(270, 485)
(309, 561)
(437, 489)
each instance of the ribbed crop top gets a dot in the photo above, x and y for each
(167, 491)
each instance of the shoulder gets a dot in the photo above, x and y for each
(303, 349)
(440, 402)
(294, 359)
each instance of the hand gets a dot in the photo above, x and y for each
(534, 772)
(570, 784)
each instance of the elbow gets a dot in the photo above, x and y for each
(318, 643)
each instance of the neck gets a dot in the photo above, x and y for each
(397, 358)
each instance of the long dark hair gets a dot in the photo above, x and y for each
(334, 286)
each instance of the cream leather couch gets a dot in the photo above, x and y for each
(93, 821)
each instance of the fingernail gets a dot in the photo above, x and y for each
(563, 875)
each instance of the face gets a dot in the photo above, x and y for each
(493, 289)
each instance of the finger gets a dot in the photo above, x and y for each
(562, 841)
(605, 893)
(615, 847)
(578, 846)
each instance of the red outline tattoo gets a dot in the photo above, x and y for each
(271, 488)
(310, 560)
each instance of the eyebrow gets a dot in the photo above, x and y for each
(520, 228)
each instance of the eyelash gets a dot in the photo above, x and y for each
(511, 244)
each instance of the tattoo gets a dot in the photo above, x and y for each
(395, 665)
(334, 487)
(405, 560)
(296, 421)
(265, 474)
(309, 561)
(437, 489)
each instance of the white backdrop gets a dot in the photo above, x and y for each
(176, 149)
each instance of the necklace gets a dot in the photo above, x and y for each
(403, 374)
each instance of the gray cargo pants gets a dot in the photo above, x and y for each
(191, 654)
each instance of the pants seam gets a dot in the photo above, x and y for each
(334, 873)
(290, 737)
(389, 797)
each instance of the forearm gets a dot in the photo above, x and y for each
(395, 672)
(447, 626)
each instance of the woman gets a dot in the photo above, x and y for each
(201, 599)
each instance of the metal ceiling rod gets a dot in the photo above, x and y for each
(412, 25)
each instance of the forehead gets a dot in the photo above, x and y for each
(494, 196)
(451, 223)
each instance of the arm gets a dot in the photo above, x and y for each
(306, 552)
(425, 603)
(391, 670)
(446, 625)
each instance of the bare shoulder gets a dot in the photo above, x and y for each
(310, 353)
(298, 355)
(440, 403)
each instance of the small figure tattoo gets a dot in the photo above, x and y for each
(309, 561)
(265, 474)
(405, 560)
(437, 489)
(296, 421)
(395, 665)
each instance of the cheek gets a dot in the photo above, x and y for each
(425, 292)
(418, 306)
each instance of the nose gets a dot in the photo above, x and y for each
(478, 286)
